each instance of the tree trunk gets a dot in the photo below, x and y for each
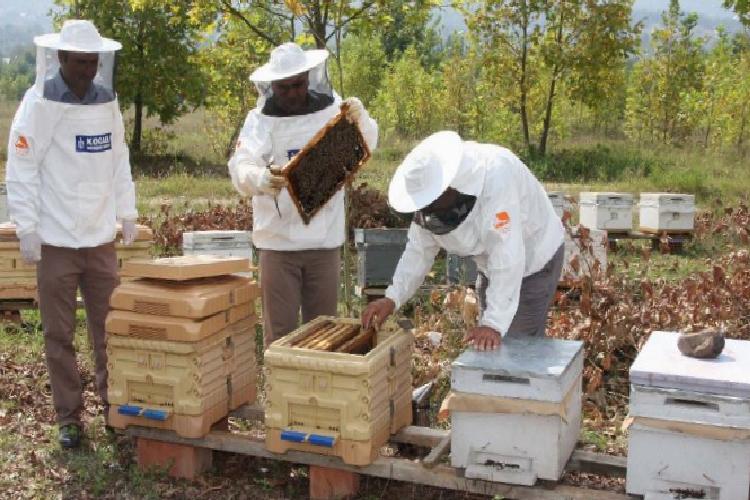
(548, 115)
(524, 83)
(135, 143)
(551, 93)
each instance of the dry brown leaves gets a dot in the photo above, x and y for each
(615, 315)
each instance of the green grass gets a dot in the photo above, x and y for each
(183, 191)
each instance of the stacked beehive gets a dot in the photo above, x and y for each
(181, 343)
(18, 279)
(335, 389)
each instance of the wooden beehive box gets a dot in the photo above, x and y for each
(331, 158)
(18, 279)
(186, 267)
(324, 400)
(197, 298)
(182, 386)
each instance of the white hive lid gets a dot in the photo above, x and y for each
(532, 358)
(660, 364)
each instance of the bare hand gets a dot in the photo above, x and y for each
(376, 312)
(483, 338)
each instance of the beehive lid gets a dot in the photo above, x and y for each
(605, 198)
(216, 239)
(186, 267)
(190, 299)
(660, 364)
(524, 363)
(659, 199)
(320, 169)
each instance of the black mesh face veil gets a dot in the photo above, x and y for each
(444, 221)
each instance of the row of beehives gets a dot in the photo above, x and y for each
(18, 279)
(181, 347)
(658, 212)
(515, 413)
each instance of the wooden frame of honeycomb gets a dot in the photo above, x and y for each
(325, 164)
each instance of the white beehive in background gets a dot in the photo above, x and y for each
(558, 201)
(608, 211)
(220, 243)
(516, 411)
(690, 431)
(667, 212)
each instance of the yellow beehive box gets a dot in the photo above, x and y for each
(153, 327)
(183, 386)
(337, 403)
(18, 279)
(188, 299)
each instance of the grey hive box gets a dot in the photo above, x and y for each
(691, 422)
(378, 253)
(520, 445)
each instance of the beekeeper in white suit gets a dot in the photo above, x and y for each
(69, 182)
(477, 200)
(299, 263)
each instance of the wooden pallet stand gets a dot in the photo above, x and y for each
(330, 477)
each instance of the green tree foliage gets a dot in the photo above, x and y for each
(362, 62)
(742, 8)
(658, 98)
(230, 52)
(157, 68)
(402, 23)
(406, 102)
(544, 47)
(17, 75)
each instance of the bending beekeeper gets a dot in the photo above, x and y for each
(477, 200)
(299, 264)
(68, 180)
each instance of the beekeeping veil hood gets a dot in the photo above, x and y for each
(426, 172)
(288, 60)
(93, 62)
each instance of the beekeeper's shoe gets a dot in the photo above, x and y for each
(70, 436)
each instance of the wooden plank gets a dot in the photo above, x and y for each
(597, 463)
(581, 461)
(437, 452)
(398, 469)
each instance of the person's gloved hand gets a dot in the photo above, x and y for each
(354, 110)
(272, 180)
(31, 248)
(129, 232)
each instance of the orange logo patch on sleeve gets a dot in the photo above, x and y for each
(22, 146)
(502, 220)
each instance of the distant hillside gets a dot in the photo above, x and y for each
(20, 21)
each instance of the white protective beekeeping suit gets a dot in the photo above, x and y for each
(68, 172)
(266, 140)
(511, 232)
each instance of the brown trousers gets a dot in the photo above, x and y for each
(59, 274)
(289, 280)
(537, 293)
